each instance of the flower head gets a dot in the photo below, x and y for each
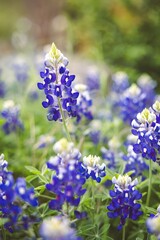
(147, 129)
(60, 99)
(124, 200)
(91, 167)
(153, 224)
(131, 102)
(10, 113)
(10, 192)
(57, 228)
(135, 162)
(67, 181)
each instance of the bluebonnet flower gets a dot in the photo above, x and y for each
(147, 129)
(120, 82)
(124, 200)
(2, 89)
(10, 192)
(44, 141)
(112, 154)
(57, 228)
(147, 85)
(153, 224)
(110, 158)
(131, 102)
(57, 86)
(21, 70)
(10, 113)
(93, 79)
(84, 102)
(91, 167)
(135, 162)
(66, 182)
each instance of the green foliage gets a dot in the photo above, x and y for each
(124, 33)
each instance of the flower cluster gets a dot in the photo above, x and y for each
(135, 162)
(124, 200)
(153, 224)
(131, 102)
(67, 181)
(147, 85)
(60, 100)
(10, 113)
(109, 156)
(84, 102)
(21, 70)
(120, 82)
(93, 79)
(11, 193)
(2, 89)
(57, 228)
(147, 129)
(91, 167)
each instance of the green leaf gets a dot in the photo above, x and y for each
(30, 178)
(3, 221)
(43, 179)
(40, 188)
(33, 170)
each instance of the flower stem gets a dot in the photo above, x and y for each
(150, 183)
(64, 121)
(124, 233)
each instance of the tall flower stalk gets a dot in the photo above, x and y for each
(61, 99)
(147, 129)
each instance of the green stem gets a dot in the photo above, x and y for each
(61, 111)
(150, 183)
(64, 121)
(124, 233)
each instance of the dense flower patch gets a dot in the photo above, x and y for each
(87, 170)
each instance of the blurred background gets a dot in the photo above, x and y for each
(123, 34)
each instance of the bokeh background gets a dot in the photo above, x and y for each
(123, 34)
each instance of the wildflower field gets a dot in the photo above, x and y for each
(79, 157)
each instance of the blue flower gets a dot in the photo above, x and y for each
(135, 162)
(147, 129)
(57, 228)
(124, 200)
(147, 85)
(110, 158)
(11, 195)
(93, 79)
(120, 82)
(57, 82)
(153, 224)
(2, 89)
(91, 167)
(131, 102)
(84, 102)
(10, 113)
(66, 182)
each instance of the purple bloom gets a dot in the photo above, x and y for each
(93, 80)
(10, 192)
(147, 129)
(10, 113)
(57, 82)
(2, 89)
(91, 167)
(135, 162)
(124, 200)
(84, 102)
(120, 82)
(131, 102)
(66, 182)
